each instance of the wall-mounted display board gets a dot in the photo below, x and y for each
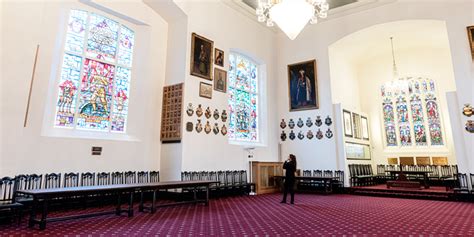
(440, 160)
(171, 113)
(423, 160)
(356, 151)
(392, 161)
(407, 161)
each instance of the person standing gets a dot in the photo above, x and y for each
(290, 169)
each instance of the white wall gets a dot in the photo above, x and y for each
(32, 149)
(315, 40)
(230, 30)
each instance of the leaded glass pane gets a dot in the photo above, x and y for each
(243, 99)
(389, 122)
(121, 94)
(418, 121)
(76, 31)
(434, 122)
(102, 39)
(96, 95)
(403, 123)
(126, 43)
(69, 82)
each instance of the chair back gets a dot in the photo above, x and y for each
(154, 176)
(243, 176)
(461, 181)
(221, 177)
(87, 179)
(130, 177)
(103, 178)
(328, 173)
(117, 178)
(212, 176)
(52, 180)
(7, 189)
(142, 177)
(306, 173)
(317, 173)
(71, 180)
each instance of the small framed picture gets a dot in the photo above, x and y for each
(205, 90)
(346, 115)
(470, 33)
(218, 57)
(365, 127)
(201, 56)
(220, 80)
(356, 125)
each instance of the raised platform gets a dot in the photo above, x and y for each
(434, 192)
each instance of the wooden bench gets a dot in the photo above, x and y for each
(404, 184)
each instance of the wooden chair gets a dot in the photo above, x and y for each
(117, 178)
(130, 177)
(221, 177)
(461, 185)
(338, 181)
(103, 178)
(52, 180)
(142, 177)
(71, 180)
(154, 176)
(26, 182)
(472, 183)
(7, 200)
(87, 179)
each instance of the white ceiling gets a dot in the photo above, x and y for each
(414, 34)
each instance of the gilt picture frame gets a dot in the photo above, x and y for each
(347, 120)
(202, 60)
(220, 80)
(303, 86)
(205, 90)
(470, 35)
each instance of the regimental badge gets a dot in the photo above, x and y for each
(310, 135)
(199, 111)
(301, 135)
(282, 124)
(207, 113)
(309, 122)
(215, 130)
(224, 130)
(190, 110)
(207, 128)
(198, 126)
(319, 134)
(224, 116)
(283, 136)
(318, 121)
(300, 123)
(470, 126)
(328, 121)
(291, 124)
(329, 133)
(468, 110)
(216, 114)
(292, 135)
(189, 126)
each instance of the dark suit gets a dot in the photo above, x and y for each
(290, 169)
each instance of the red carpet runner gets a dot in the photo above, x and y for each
(262, 215)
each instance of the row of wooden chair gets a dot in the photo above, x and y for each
(463, 184)
(438, 172)
(361, 175)
(228, 182)
(337, 181)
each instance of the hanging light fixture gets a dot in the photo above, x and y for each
(291, 15)
(397, 84)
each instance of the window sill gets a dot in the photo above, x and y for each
(79, 134)
(247, 145)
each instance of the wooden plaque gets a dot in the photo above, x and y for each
(171, 113)
(392, 161)
(407, 161)
(440, 160)
(423, 161)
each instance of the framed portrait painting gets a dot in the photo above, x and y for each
(303, 86)
(205, 90)
(219, 57)
(346, 116)
(201, 56)
(220, 80)
(470, 33)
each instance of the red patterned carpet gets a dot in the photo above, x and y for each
(263, 215)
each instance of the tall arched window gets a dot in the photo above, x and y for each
(95, 74)
(410, 109)
(243, 99)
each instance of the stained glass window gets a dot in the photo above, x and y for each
(243, 99)
(96, 68)
(412, 97)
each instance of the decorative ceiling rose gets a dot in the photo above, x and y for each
(291, 15)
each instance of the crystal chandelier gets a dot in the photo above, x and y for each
(398, 84)
(291, 15)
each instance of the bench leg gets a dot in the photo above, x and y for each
(44, 214)
(130, 204)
